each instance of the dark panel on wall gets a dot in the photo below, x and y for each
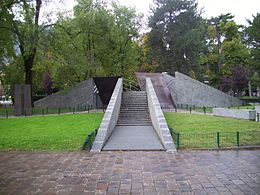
(105, 86)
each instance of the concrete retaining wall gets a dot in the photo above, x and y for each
(110, 118)
(157, 117)
(235, 113)
(257, 109)
(80, 95)
(186, 90)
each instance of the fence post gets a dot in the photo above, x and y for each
(178, 140)
(90, 142)
(6, 113)
(258, 117)
(170, 131)
(238, 139)
(204, 109)
(218, 139)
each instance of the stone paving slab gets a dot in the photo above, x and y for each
(130, 172)
(133, 138)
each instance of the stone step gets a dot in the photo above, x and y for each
(136, 115)
(134, 124)
(135, 103)
(145, 116)
(134, 110)
(133, 119)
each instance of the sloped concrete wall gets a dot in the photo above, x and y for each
(80, 95)
(186, 90)
(110, 118)
(235, 113)
(157, 118)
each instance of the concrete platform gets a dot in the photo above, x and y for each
(133, 138)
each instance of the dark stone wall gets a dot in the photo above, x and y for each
(80, 95)
(186, 90)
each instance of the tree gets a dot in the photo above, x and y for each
(47, 84)
(217, 26)
(177, 35)
(98, 41)
(20, 19)
(253, 39)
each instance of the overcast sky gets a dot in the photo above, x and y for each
(241, 9)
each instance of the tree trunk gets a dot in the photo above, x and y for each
(258, 91)
(249, 89)
(28, 64)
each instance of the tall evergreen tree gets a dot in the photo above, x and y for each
(177, 35)
(253, 39)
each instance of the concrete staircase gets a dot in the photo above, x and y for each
(134, 109)
(134, 130)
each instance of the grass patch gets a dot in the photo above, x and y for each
(200, 131)
(252, 107)
(59, 133)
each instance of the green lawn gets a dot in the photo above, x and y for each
(200, 131)
(61, 133)
(243, 107)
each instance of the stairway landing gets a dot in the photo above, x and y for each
(133, 138)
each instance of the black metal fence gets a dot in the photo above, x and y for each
(215, 139)
(205, 110)
(89, 140)
(193, 108)
(6, 112)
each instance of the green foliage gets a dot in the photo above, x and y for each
(98, 41)
(176, 36)
(58, 133)
(235, 52)
(102, 39)
(253, 39)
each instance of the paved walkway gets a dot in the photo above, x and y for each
(194, 172)
(134, 138)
